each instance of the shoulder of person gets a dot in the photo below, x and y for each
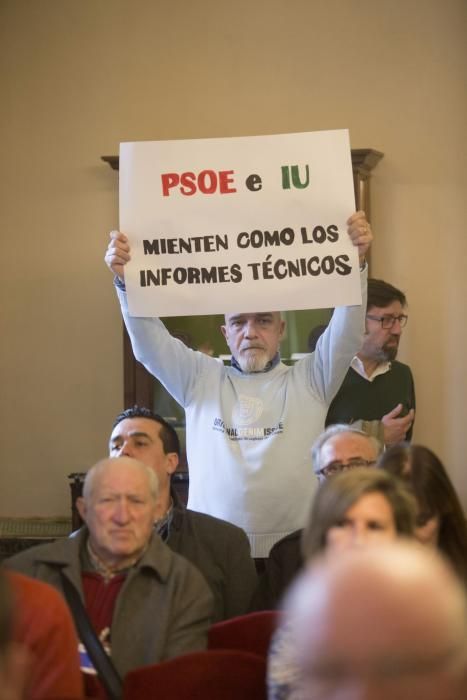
(291, 540)
(36, 599)
(33, 590)
(164, 561)
(400, 367)
(182, 572)
(56, 552)
(214, 526)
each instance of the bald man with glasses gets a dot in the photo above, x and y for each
(378, 393)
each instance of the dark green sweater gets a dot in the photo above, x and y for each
(359, 399)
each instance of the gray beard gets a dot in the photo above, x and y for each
(253, 362)
(389, 353)
(385, 354)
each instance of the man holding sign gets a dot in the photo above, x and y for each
(250, 426)
(241, 226)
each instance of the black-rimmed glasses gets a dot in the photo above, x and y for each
(388, 321)
(337, 467)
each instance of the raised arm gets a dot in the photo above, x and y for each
(167, 358)
(344, 335)
(117, 254)
(360, 234)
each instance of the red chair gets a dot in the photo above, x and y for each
(251, 632)
(201, 675)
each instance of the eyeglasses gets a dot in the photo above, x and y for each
(337, 467)
(388, 321)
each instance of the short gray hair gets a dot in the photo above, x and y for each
(104, 463)
(330, 432)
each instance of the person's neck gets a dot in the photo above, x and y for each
(110, 566)
(164, 502)
(369, 364)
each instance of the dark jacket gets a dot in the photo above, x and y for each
(221, 552)
(163, 609)
(284, 563)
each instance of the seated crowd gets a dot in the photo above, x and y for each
(145, 603)
(369, 595)
(151, 576)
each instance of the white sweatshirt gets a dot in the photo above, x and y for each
(248, 436)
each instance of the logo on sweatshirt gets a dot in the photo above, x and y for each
(247, 410)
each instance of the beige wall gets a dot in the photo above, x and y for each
(79, 77)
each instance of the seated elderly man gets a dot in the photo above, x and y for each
(336, 449)
(145, 602)
(385, 623)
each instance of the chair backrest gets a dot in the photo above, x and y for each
(202, 675)
(251, 632)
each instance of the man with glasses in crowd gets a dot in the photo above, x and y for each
(338, 448)
(378, 393)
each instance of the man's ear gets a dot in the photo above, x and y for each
(81, 507)
(172, 462)
(224, 331)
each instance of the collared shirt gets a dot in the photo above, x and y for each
(91, 561)
(359, 368)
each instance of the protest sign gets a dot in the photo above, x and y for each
(238, 224)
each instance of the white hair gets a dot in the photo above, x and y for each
(338, 429)
(103, 464)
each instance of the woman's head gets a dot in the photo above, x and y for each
(356, 507)
(440, 518)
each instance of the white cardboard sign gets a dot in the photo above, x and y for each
(238, 224)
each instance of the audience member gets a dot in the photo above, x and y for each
(341, 447)
(44, 626)
(219, 550)
(357, 507)
(145, 602)
(380, 623)
(338, 448)
(440, 520)
(353, 510)
(245, 422)
(378, 392)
